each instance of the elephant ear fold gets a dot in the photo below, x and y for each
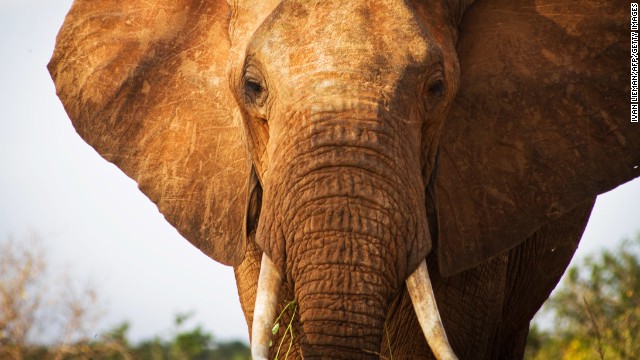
(540, 124)
(145, 84)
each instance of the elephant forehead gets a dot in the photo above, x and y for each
(368, 36)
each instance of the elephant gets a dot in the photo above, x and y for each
(401, 179)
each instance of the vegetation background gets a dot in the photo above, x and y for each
(41, 321)
(595, 314)
(595, 310)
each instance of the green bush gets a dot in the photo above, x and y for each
(596, 310)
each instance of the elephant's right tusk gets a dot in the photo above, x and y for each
(424, 302)
(264, 312)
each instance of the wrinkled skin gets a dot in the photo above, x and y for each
(372, 135)
(337, 165)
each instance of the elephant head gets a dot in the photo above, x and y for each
(346, 141)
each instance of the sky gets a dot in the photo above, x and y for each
(94, 221)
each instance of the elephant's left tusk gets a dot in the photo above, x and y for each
(264, 312)
(424, 303)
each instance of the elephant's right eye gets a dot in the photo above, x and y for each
(437, 88)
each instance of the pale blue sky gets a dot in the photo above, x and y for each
(93, 218)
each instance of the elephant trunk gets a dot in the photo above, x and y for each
(363, 325)
(348, 251)
(343, 301)
(344, 220)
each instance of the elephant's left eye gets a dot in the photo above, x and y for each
(254, 91)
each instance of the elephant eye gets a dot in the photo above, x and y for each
(254, 91)
(436, 88)
(252, 86)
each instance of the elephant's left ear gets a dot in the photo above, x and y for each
(146, 85)
(540, 124)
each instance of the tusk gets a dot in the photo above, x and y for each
(424, 302)
(264, 312)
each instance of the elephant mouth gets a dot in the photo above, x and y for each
(418, 286)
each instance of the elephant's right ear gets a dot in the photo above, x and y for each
(146, 85)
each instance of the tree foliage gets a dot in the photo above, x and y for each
(184, 344)
(31, 309)
(596, 310)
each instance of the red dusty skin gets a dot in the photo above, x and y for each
(343, 295)
(349, 230)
